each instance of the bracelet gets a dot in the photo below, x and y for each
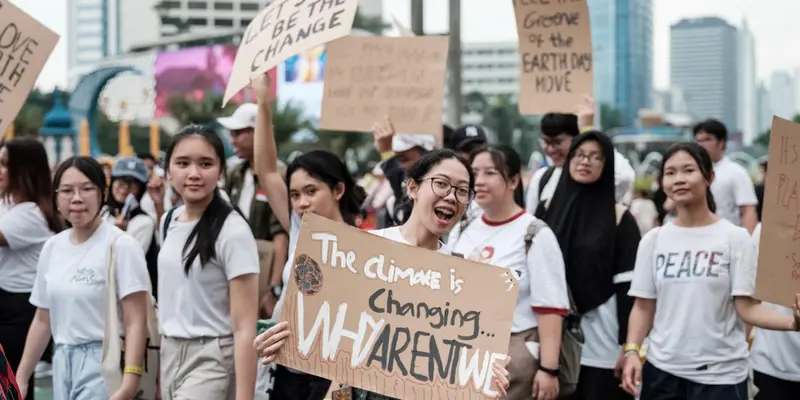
(632, 347)
(387, 155)
(634, 352)
(132, 369)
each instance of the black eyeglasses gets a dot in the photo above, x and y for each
(442, 188)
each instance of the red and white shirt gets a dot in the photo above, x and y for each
(543, 284)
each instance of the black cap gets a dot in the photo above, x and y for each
(466, 135)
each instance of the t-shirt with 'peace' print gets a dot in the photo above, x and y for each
(694, 274)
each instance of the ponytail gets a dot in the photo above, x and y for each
(712, 205)
(203, 237)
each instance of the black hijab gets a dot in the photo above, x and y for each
(583, 218)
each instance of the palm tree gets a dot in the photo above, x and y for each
(374, 24)
(203, 112)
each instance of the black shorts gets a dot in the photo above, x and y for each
(660, 385)
(772, 388)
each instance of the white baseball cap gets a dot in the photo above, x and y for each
(406, 141)
(244, 117)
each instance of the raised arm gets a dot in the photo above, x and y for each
(265, 162)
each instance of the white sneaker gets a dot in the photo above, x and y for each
(43, 370)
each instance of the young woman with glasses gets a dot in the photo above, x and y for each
(439, 185)
(70, 288)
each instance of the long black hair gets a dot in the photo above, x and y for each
(89, 167)
(703, 159)
(507, 161)
(202, 239)
(328, 168)
(30, 179)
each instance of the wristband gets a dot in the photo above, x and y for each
(551, 372)
(387, 155)
(587, 129)
(632, 352)
(632, 347)
(132, 369)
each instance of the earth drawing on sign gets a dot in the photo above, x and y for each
(308, 275)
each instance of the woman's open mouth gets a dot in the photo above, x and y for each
(444, 214)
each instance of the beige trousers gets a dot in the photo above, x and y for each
(523, 365)
(194, 369)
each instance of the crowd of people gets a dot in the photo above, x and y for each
(602, 269)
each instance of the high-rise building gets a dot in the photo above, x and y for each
(98, 29)
(210, 16)
(764, 109)
(748, 106)
(782, 95)
(704, 64)
(622, 41)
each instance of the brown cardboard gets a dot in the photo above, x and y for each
(370, 78)
(25, 45)
(266, 255)
(556, 61)
(286, 28)
(778, 278)
(481, 293)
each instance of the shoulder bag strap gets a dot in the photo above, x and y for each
(112, 344)
(533, 228)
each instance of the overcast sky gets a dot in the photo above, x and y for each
(774, 24)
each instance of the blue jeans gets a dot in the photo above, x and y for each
(76, 372)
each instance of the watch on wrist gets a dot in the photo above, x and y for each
(551, 372)
(276, 290)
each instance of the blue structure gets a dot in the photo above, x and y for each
(83, 102)
(58, 124)
(622, 43)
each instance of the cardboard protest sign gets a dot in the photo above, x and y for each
(369, 78)
(25, 45)
(778, 278)
(283, 29)
(555, 48)
(394, 319)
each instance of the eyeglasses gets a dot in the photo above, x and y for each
(442, 188)
(83, 192)
(592, 158)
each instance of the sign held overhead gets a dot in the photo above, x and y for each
(283, 29)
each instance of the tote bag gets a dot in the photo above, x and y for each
(114, 346)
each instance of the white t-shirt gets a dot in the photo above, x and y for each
(775, 353)
(645, 213)
(624, 175)
(247, 193)
(25, 229)
(198, 305)
(732, 188)
(694, 274)
(71, 282)
(542, 277)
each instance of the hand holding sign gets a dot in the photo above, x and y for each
(283, 29)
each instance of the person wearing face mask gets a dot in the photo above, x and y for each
(557, 133)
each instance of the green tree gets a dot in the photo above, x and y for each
(475, 102)
(610, 117)
(763, 139)
(203, 112)
(374, 25)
